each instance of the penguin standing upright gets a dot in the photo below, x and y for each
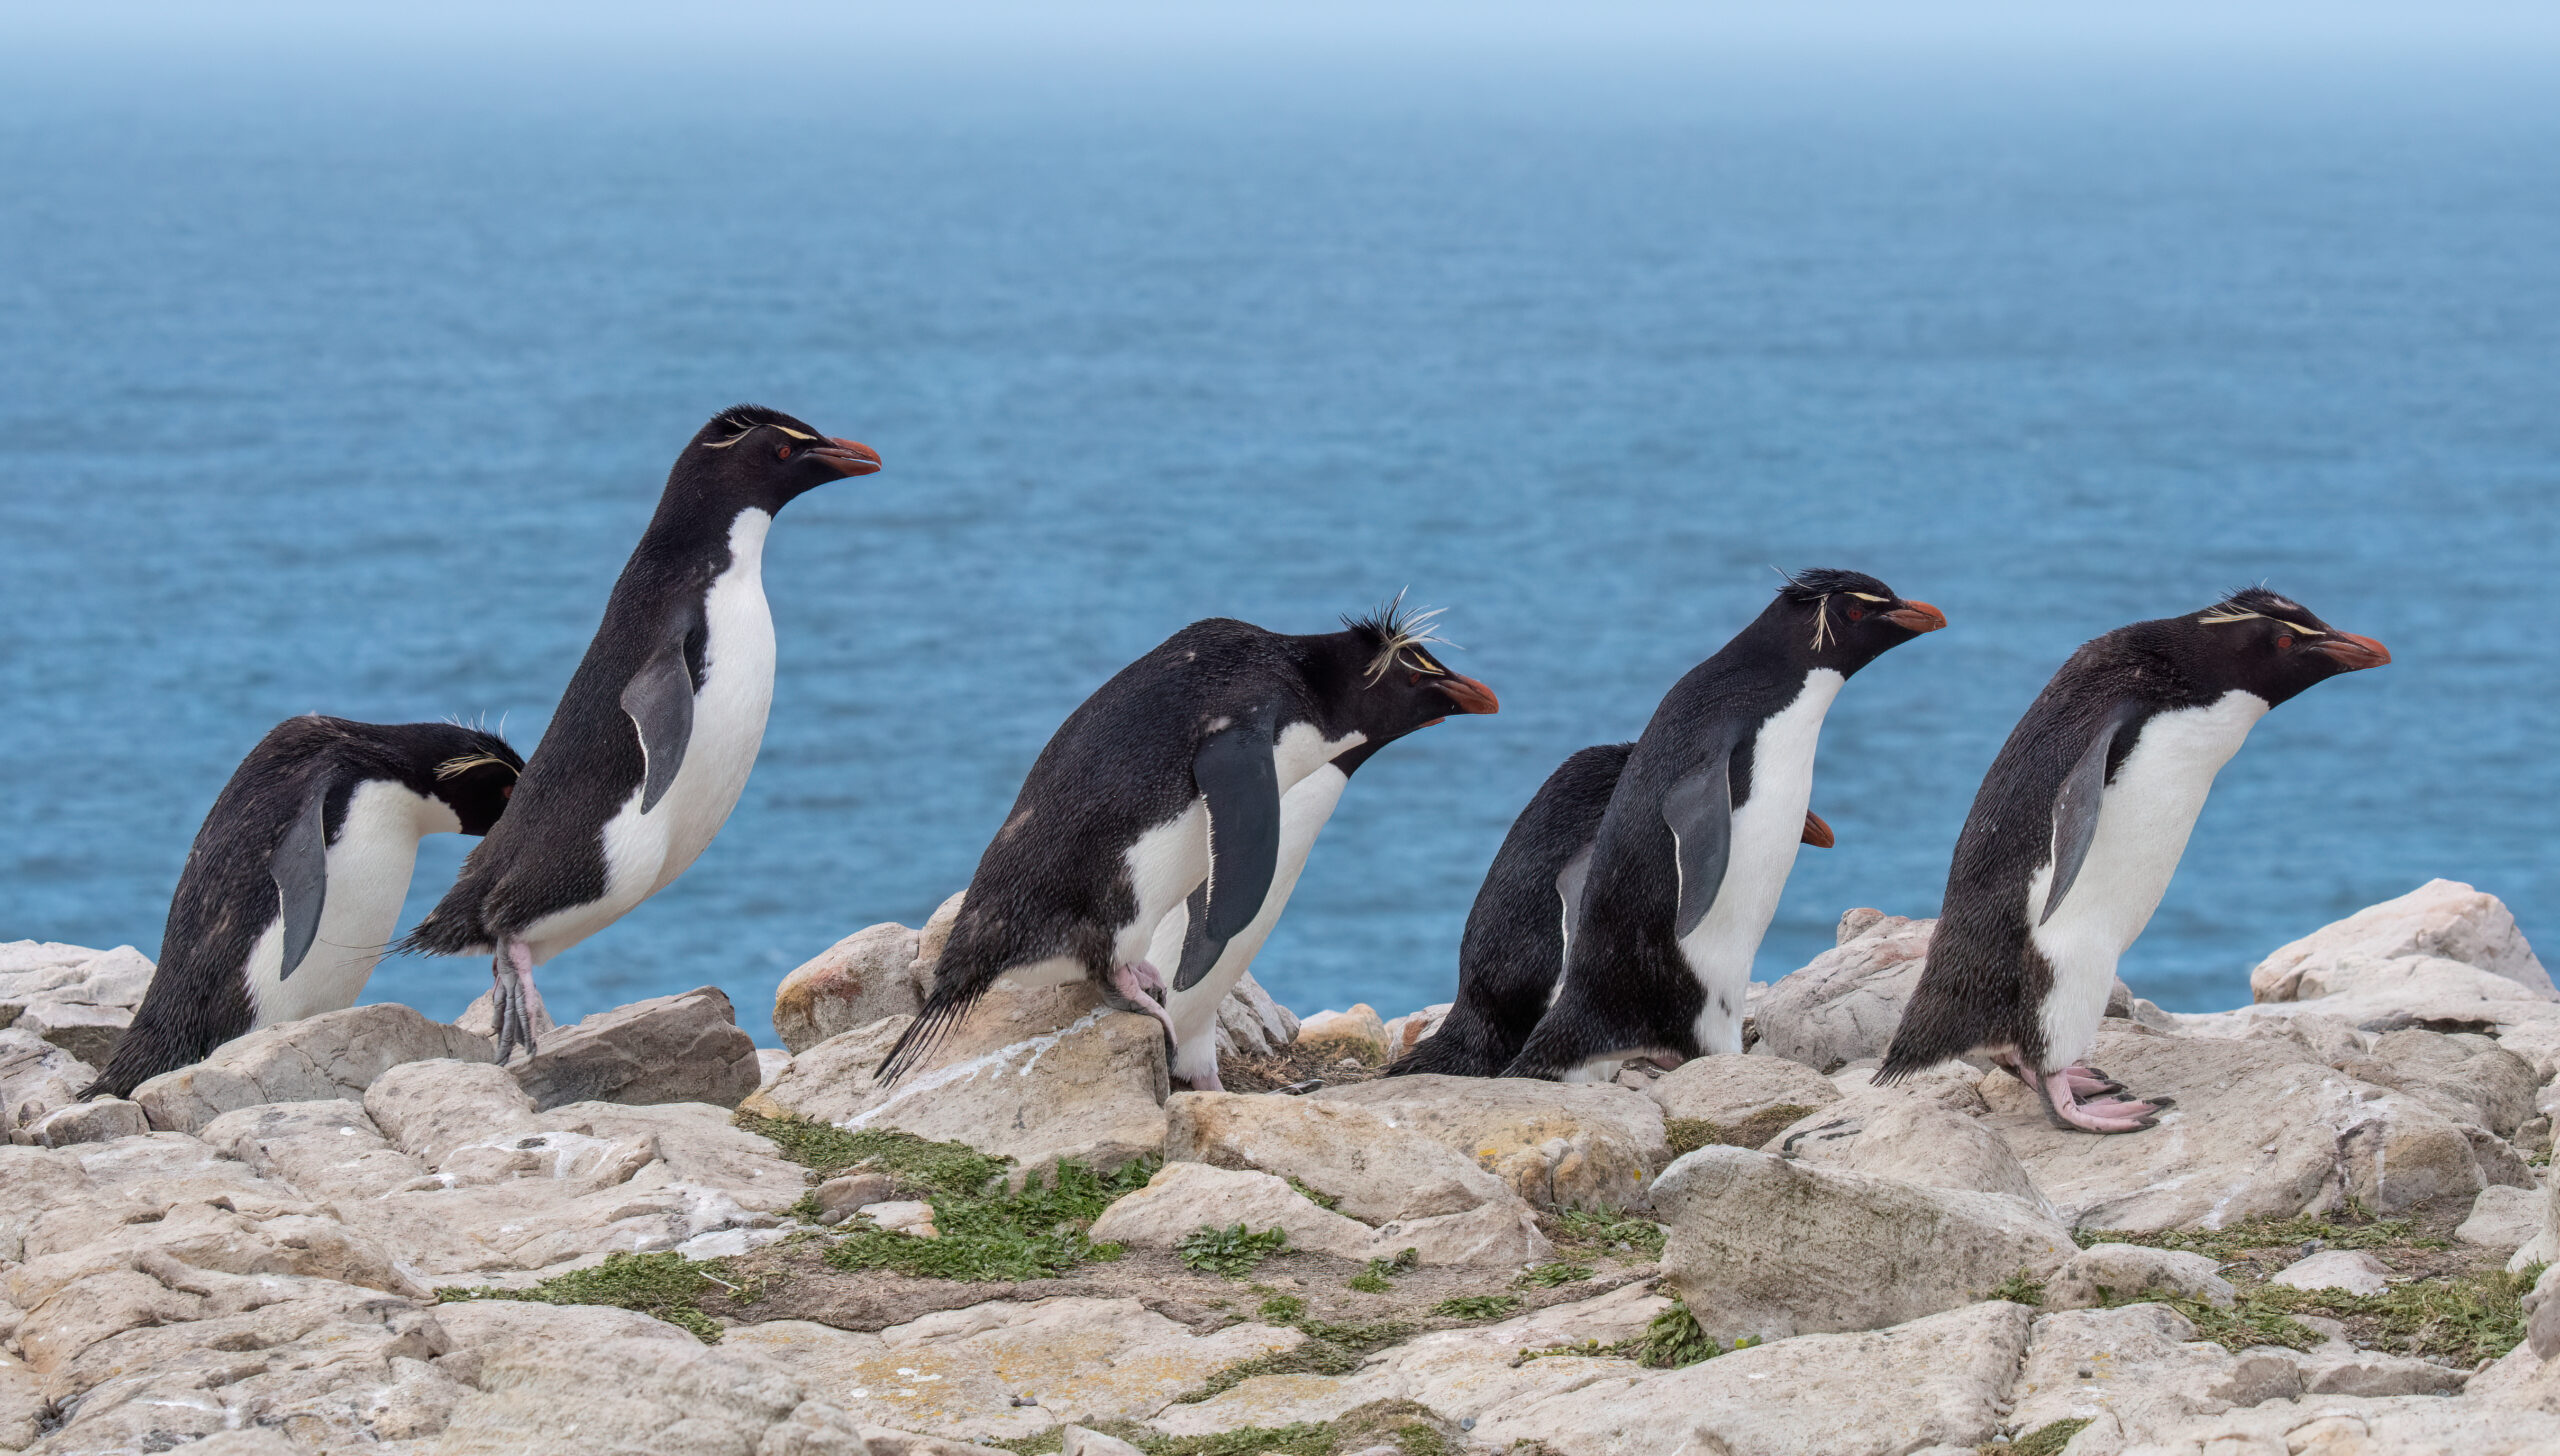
(294, 884)
(1511, 957)
(1702, 829)
(654, 736)
(2077, 828)
(1170, 778)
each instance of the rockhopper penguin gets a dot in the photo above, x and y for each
(1511, 956)
(294, 884)
(653, 739)
(2077, 828)
(1172, 778)
(1694, 847)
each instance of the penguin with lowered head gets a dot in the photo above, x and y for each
(660, 724)
(294, 883)
(2077, 828)
(1172, 778)
(1701, 830)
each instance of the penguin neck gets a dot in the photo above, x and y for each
(686, 525)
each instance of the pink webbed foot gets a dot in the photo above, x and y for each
(2087, 1082)
(2110, 1114)
(1138, 986)
(518, 1004)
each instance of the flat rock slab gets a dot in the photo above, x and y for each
(1943, 1380)
(868, 976)
(682, 1048)
(2261, 1130)
(1458, 1374)
(956, 1373)
(333, 1055)
(1034, 1075)
(1559, 1145)
(1906, 1132)
(1738, 1101)
(1763, 1246)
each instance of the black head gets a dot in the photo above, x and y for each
(473, 772)
(1844, 620)
(2257, 642)
(752, 456)
(1388, 681)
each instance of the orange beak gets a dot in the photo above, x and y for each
(1470, 696)
(2353, 652)
(849, 457)
(1917, 617)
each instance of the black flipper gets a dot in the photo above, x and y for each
(1699, 810)
(1198, 955)
(2075, 809)
(1236, 775)
(659, 699)
(301, 870)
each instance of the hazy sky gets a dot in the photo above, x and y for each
(2271, 28)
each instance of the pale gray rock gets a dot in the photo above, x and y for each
(2260, 1129)
(1034, 1075)
(1081, 1442)
(2143, 1367)
(22, 1404)
(1251, 1024)
(1770, 1247)
(1739, 1101)
(102, 1120)
(2542, 1315)
(2339, 1425)
(2505, 1219)
(956, 1372)
(1183, 1197)
(322, 1058)
(88, 1032)
(1844, 1006)
(2103, 1273)
(2468, 1077)
(838, 1198)
(683, 1048)
(37, 1079)
(2351, 1270)
(1459, 1375)
(1393, 1177)
(935, 935)
(427, 1109)
(325, 1150)
(1558, 1145)
(480, 1018)
(1942, 1380)
(1359, 1032)
(2441, 918)
(1904, 1133)
(865, 977)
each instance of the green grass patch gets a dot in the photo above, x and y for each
(2360, 1232)
(1329, 1349)
(919, 1163)
(1325, 1201)
(1674, 1339)
(987, 1233)
(1282, 1309)
(1607, 1230)
(664, 1286)
(1688, 1134)
(2022, 1287)
(1231, 1251)
(2044, 1440)
(2461, 1320)
(1373, 1280)
(1548, 1276)
(1478, 1306)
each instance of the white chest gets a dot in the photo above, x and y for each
(368, 877)
(2144, 819)
(644, 853)
(1767, 830)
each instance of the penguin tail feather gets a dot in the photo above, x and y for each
(942, 1013)
(443, 935)
(1463, 1046)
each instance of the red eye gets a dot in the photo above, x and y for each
(782, 452)
(1857, 614)
(2283, 642)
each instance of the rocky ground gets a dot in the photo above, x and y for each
(358, 1232)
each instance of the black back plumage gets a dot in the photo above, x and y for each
(1055, 881)
(1626, 983)
(227, 895)
(1513, 948)
(1986, 982)
(547, 856)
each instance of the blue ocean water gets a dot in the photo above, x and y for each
(348, 390)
